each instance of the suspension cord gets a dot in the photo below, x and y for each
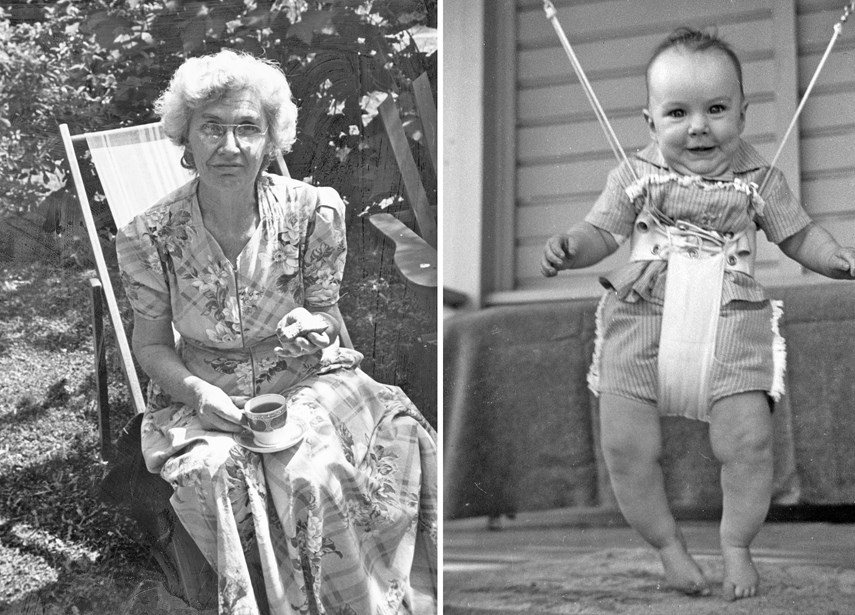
(838, 27)
(611, 137)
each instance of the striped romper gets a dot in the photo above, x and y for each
(749, 351)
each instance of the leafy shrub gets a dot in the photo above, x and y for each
(45, 78)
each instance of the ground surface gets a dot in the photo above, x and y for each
(62, 550)
(542, 564)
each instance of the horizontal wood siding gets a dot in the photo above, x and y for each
(827, 128)
(562, 157)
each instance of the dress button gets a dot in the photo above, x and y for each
(655, 249)
(693, 253)
(731, 260)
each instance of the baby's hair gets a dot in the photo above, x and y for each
(694, 40)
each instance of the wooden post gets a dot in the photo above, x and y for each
(99, 353)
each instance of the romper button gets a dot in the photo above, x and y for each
(642, 227)
(731, 260)
(655, 249)
(693, 253)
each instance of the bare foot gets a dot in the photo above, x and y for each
(740, 575)
(681, 571)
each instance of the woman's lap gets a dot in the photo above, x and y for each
(348, 499)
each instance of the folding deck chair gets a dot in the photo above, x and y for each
(155, 170)
(136, 167)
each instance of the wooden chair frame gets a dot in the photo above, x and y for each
(415, 253)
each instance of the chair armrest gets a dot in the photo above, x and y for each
(414, 257)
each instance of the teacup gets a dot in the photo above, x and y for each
(266, 416)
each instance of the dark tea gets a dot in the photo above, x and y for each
(269, 406)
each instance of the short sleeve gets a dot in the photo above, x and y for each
(326, 251)
(614, 211)
(141, 272)
(782, 215)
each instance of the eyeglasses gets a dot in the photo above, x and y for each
(213, 133)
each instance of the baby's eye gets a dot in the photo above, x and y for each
(676, 113)
(718, 109)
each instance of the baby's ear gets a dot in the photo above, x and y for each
(742, 111)
(648, 117)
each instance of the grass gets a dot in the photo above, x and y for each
(62, 550)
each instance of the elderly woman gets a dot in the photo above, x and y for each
(344, 521)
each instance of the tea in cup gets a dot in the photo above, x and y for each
(266, 416)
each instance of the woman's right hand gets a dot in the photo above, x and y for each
(218, 411)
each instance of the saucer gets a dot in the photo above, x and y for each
(292, 434)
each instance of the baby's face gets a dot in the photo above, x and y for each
(696, 111)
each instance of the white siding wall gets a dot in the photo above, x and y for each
(461, 112)
(828, 122)
(562, 157)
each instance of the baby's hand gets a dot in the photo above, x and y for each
(844, 261)
(559, 253)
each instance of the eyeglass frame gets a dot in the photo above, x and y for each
(212, 139)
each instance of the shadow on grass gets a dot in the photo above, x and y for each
(63, 549)
(57, 395)
(52, 517)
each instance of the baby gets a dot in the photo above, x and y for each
(684, 329)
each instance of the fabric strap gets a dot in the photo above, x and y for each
(687, 341)
(652, 240)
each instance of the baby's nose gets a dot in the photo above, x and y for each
(698, 125)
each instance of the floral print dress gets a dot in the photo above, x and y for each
(343, 522)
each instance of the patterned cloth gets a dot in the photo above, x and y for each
(344, 522)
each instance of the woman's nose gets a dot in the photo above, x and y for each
(230, 141)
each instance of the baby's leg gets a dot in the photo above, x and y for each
(741, 437)
(632, 446)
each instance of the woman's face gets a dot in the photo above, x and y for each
(229, 158)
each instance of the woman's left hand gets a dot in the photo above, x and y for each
(309, 339)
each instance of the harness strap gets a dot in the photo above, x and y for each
(697, 259)
(653, 240)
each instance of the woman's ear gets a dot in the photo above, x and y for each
(187, 160)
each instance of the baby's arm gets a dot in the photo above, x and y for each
(814, 248)
(582, 246)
